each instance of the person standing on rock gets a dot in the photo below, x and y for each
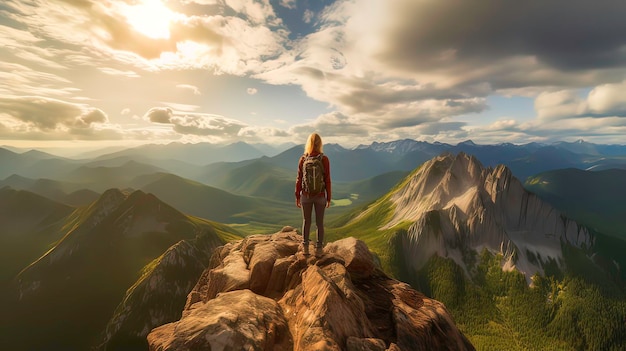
(313, 189)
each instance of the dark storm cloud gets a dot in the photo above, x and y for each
(566, 35)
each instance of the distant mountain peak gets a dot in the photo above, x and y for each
(113, 195)
(402, 146)
(467, 142)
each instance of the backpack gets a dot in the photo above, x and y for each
(313, 174)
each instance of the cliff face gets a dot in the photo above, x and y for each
(262, 293)
(456, 205)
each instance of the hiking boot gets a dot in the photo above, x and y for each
(319, 250)
(305, 248)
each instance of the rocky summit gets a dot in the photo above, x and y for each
(458, 206)
(264, 293)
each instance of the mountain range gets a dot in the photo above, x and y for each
(361, 162)
(360, 175)
(119, 244)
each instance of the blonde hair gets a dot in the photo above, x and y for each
(314, 144)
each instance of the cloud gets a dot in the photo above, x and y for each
(236, 43)
(559, 104)
(605, 100)
(194, 89)
(48, 114)
(608, 100)
(117, 72)
(308, 16)
(290, 4)
(160, 115)
(257, 11)
(386, 69)
(195, 123)
(181, 107)
(387, 62)
(40, 118)
(425, 112)
(262, 134)
(18, 79)
(610, 129)
(330, 125)
(207, 125)
(594, 129)
(416, 37)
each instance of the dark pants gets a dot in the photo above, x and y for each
(308, 203)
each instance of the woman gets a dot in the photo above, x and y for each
(309, 195)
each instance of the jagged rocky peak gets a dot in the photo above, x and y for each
(434, 185)
(263, 293)
(456, 204)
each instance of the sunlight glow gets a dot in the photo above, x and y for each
(150, 18)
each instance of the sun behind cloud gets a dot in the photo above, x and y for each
(150, 18)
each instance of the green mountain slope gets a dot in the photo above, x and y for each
(594, 198)
(103, 251)
(29, 225)
(72, 194)
(211, 203)
(257, 178)
(368, 190)
(101, 178)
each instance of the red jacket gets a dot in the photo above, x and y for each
(326, 164)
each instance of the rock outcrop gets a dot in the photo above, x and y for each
(456, 205)
(262, 293)
(159, 294)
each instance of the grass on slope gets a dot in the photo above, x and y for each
(497, 310)
(364, 223)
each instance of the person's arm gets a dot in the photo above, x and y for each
(326, 163)
(298, 190)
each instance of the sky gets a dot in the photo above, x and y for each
(95, 73)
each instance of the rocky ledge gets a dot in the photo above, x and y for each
(263, 293)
